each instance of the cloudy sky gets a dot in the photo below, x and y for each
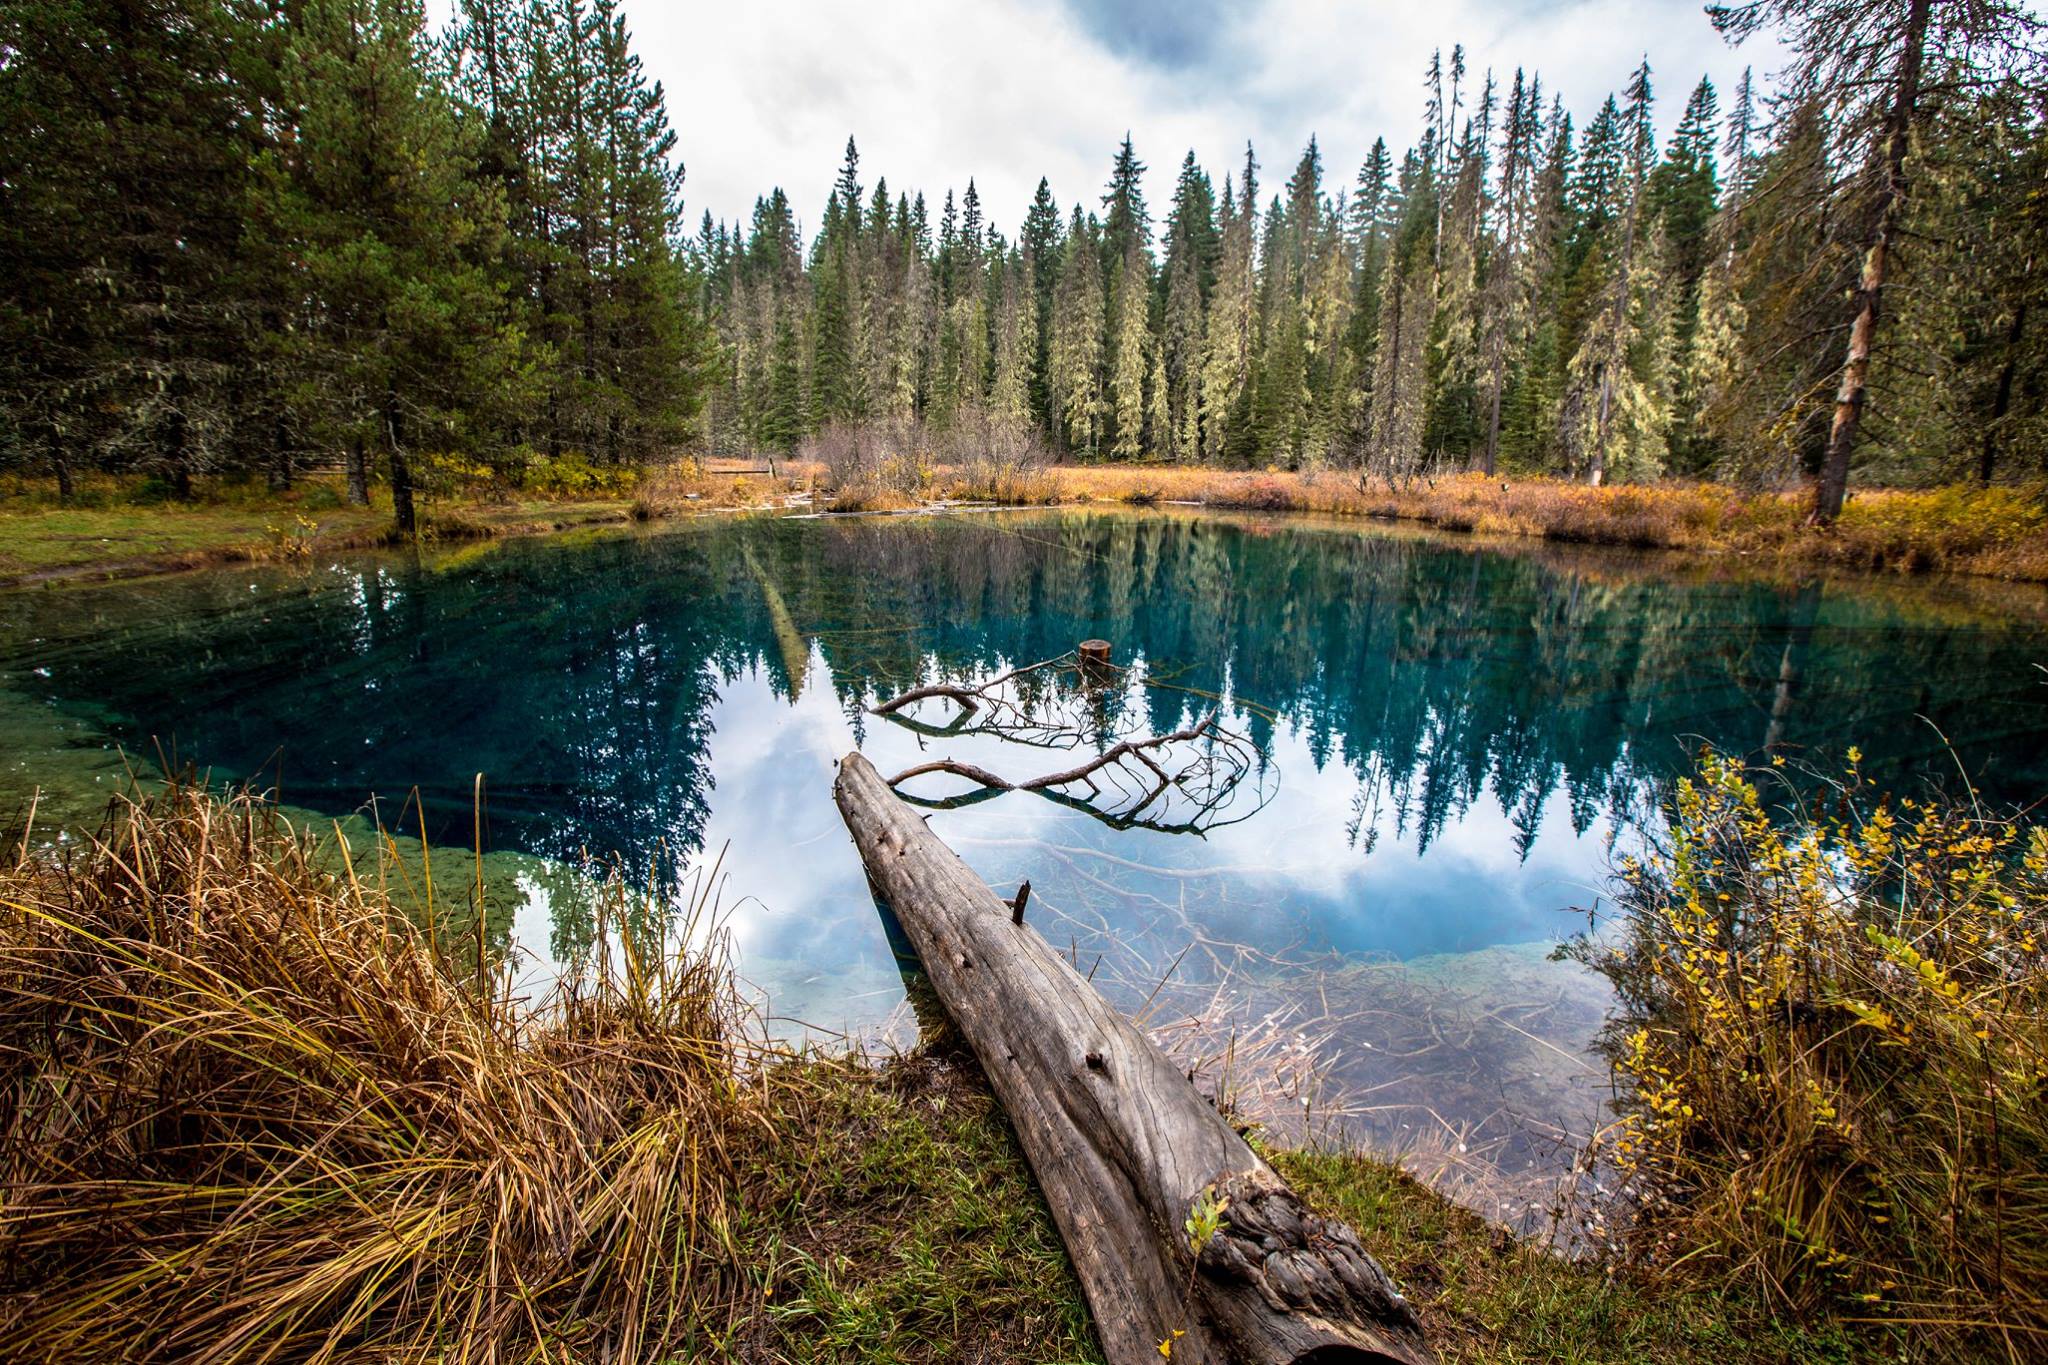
(1005, 91)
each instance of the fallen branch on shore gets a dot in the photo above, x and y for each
(1180, 1234)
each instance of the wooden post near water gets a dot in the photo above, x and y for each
(1095, 665)
(1122, 1145)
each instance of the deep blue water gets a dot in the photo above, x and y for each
(1451, 740)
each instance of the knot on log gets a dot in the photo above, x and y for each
(1297, 1260)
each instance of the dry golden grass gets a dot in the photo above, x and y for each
(1012, 483)
(1998, 532)
(254, 1113)
(691, 486)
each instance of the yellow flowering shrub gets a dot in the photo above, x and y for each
(1831, 1051)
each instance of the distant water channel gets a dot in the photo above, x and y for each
(1453, 739)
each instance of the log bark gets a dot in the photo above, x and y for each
(1120, 1141)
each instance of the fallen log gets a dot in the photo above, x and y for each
(1129, 1156)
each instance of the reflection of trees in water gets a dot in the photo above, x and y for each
(582, 680)
(1431, 671)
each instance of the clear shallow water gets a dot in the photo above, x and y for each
(1454, 739)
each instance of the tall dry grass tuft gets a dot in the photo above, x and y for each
(1833, 1050)
(252, 1112)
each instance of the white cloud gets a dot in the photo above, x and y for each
(1004, 91)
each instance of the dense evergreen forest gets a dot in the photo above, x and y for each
(256, 234)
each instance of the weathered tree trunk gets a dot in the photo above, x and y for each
(1489, 464)
(1833, 485)
(60, 463)
(280, 456)
(1597, 474)
(358, 474)
(1122, 1145)
(2001, 401)
(401, 472)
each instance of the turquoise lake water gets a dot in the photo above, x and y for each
(1452, 739)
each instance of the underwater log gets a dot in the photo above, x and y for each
(1179, 1233)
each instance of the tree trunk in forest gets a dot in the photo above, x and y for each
(280, 458)
(2001, 403)
(358, 474)
(1122, 1145)
(401, 472)
(1833, 485)
(180, 458)
(60, 463)
(1489, 462)
(1597, 474)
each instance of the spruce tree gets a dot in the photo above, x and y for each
(402, 347)
(1076, 373)
(125, 147)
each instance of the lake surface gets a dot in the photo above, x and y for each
(1452, 741)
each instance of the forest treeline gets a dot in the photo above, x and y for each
(249, 235)
(238, 234)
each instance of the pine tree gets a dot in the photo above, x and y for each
(1077, 339)
(1529, 422)
(1131, 360)
(1508, 292)
(1193, 246)
(1683, 194)
(1126, 223)
(125, 151)
(1041, 242)
(1227, 431)
(838, 380)
(1457, 326)
(405, 348)
(1596, 378)
(1010, 402)
(1400, 398)
(1870, 61)
(648, 345)
(1375, 213)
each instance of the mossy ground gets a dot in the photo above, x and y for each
(119, 530)
(894, 1219)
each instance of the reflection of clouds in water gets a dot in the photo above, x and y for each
(802, 922)
(1469, 1054)
(1458, 734)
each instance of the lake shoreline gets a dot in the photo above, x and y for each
(1989, 535)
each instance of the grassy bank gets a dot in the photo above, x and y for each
(2001, 533)
(254, 1108)
(118, 530)
(124, 528)
(1996, 532)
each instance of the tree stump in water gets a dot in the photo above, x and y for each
(1095, 666)
(1123, 1146)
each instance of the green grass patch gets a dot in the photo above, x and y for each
(1486, 1296)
